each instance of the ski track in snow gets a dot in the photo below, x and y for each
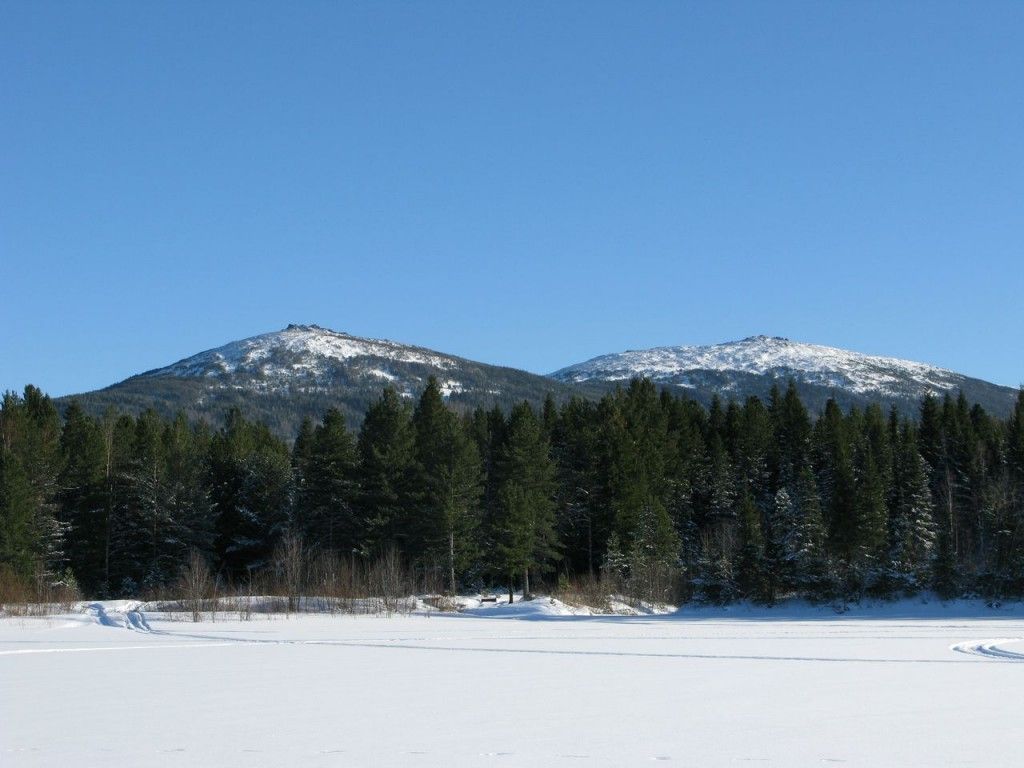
(129, 616)
(991, 649)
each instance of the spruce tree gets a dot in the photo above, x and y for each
(524, 533)
(325, 469)
(912, 528)
(749, 566)
(31, 533)
(452, 483)
(82, 496)
(250, 488)
(389, 499)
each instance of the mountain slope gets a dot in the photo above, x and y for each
(301, 371)
(285, 376)
(751, 366)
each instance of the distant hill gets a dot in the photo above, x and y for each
(285, 376)
(301, 371)
(750, 367)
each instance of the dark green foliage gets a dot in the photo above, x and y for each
(523, 532)
(31, 534)
(250, 486)
(451, 479)
(350, 391)
(750, 563)
(324, 463)
(390, 501)
(662, 496)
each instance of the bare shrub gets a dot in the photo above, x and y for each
(290, 557)
(586, 592)
(196, 584)
(389, 581)
(432, 581)
(442, 603)
(41, 595)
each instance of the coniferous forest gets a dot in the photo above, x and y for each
(643, 492)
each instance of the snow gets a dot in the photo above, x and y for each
(310, 350)
(827, 366)
(907, 684)
(451, 387)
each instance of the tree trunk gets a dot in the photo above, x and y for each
(451, 560)
(590, 545)
(106, 551)
(510, 590)
(526, 583)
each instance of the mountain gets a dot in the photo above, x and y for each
(285, 376)
(301, 371)
(750, 367)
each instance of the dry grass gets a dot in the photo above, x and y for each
(39, 596)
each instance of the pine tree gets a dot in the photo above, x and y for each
(581, 526)
(250, 487)
(811, 562)
(325, 461)
(389, 499)
(82, 497)
(792, 432)
(781, 544)
(912, 527)
(750, 576)
(452, 482)
(524, 533)
(18, 546)
(837, 483)
(31, 533)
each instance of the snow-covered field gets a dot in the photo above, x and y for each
(898, 685)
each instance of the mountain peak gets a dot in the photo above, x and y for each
(740, 368)
(301, 370)
(299, 354)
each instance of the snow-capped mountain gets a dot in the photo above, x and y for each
(750, 367)
(302, 370)
(311, 358)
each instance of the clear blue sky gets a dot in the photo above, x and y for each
(529, 184)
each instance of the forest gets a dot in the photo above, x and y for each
(641, 493)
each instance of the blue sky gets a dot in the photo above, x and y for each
(529, 184)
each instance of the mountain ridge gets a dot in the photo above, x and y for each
(751, 365)
(298, 372)
(285, 376)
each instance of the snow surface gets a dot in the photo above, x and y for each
(905, 684)
(771, 355)
(310, 348)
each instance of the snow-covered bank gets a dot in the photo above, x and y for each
(120, 612)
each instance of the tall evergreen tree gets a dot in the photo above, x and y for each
(31, 533)
(389, 498)
(250, 487)
(452, 483)
(324, 461)
(524, 533)
(83, 499)
(912, 526)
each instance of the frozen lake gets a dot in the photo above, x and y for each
(903, 685)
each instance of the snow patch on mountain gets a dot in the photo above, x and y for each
(767, 355)
(307, 349)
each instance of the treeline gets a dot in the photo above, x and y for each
(646, 493)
